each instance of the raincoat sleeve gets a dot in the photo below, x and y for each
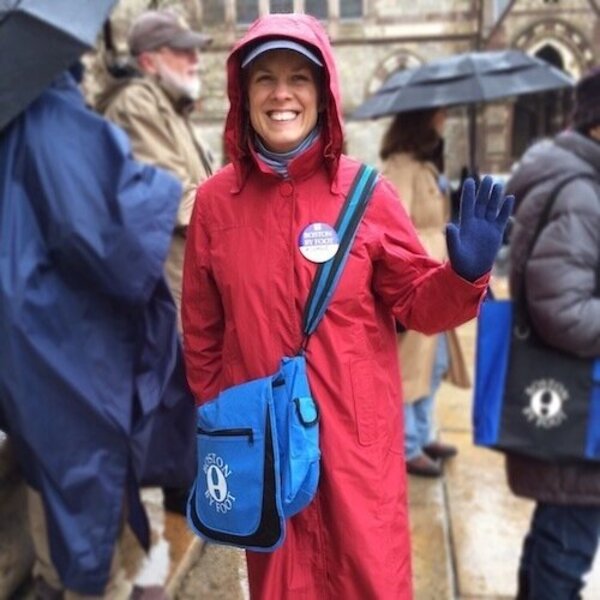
(201, 309)
(423, 294)
(115, 237)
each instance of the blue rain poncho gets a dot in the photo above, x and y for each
(92, 389)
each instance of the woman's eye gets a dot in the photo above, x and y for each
(301, 77)
(262, 78)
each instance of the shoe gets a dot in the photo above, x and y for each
(175, 500)
(423, 466)
(439, 450)
(152, 592)
(43, 590)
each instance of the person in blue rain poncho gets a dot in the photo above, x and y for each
(92, 389)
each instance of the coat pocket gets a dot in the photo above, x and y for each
(364, 394)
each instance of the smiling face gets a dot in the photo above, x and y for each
(283, 98)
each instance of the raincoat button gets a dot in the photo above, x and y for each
(286, 188)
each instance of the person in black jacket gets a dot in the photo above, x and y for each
(561, 284)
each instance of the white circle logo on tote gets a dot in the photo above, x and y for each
(318, 242)
(217, 493)
(546, 403)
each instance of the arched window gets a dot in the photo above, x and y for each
(540, 115)
(551, 55)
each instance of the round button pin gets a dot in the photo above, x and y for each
(318, 242)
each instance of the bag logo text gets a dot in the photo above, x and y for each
(217, 493)
(546, 403)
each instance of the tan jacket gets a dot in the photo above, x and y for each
(163, 137)
(429, 210)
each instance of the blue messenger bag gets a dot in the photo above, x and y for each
(258, 442)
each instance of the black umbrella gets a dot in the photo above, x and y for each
(463, 79)
(38, 40)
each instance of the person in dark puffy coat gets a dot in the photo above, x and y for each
(562, 287)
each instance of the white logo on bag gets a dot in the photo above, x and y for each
(217, 471)
(546, 401)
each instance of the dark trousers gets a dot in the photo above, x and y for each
(558, 551)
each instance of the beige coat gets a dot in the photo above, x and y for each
(429, 211)
(162, 136)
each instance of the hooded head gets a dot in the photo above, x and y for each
(299, 34)
(586, 112)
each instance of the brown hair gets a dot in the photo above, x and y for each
(412, 132)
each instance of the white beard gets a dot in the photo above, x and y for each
(179, 86)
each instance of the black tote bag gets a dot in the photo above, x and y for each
(532, 398)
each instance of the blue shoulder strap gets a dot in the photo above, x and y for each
(329, 272)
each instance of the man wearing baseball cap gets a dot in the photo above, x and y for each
(154, 109)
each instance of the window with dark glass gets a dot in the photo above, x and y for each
(213, 12)
(246, 10)
(316, 8)
(351, 9)
(282, 6)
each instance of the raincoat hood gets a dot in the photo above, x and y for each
(303, 29)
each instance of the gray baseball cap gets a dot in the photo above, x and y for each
(154, 29)
(281, 44)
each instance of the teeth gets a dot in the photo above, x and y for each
(287, 115)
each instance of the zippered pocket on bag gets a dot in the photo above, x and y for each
(238, 432)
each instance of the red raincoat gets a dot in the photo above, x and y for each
(245, 286)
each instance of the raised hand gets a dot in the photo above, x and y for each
(475, 241)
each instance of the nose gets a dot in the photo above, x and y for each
(193, 56)
(281, 90)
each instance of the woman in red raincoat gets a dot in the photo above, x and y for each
(246, 283)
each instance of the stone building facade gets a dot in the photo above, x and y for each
(373, 38)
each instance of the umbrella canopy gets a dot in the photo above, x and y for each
(463, 79)
(38, 40)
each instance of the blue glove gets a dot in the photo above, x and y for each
(475, 241)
